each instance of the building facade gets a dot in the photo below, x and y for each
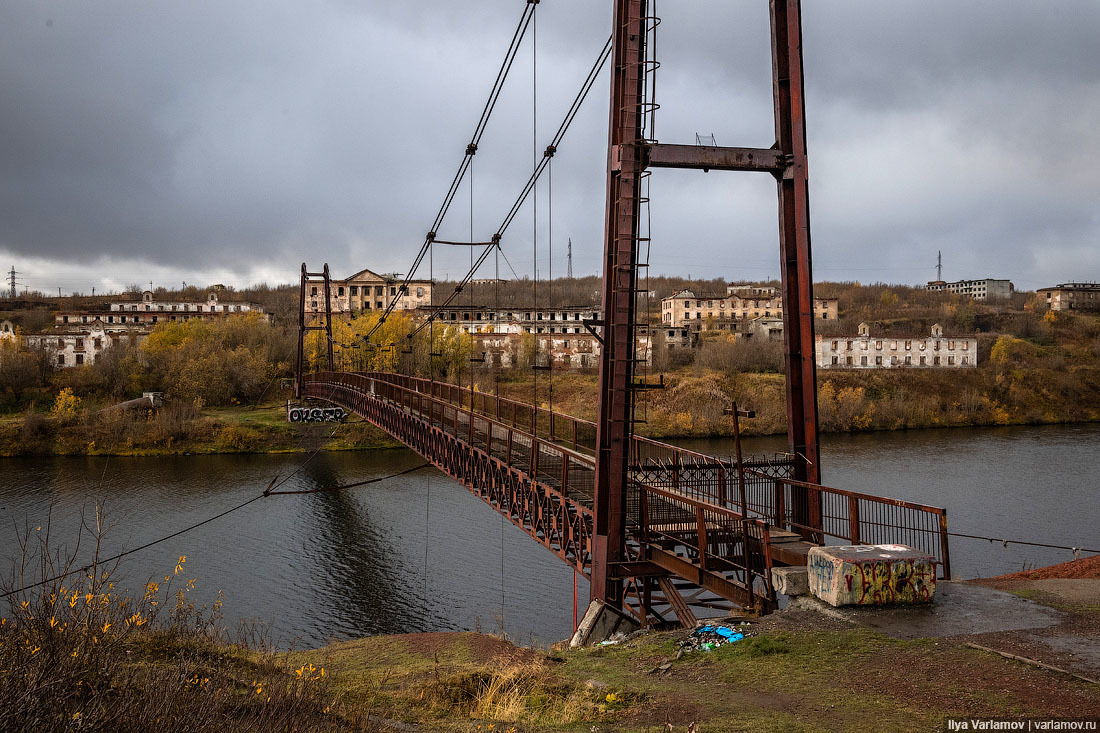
(483, 319)
(367, 290)
(1072, 296)
(210, 306)
(976, 289)
(78, 347)
(79, 337)
(741, 303)
(865, 351)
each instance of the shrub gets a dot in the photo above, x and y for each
(78, 653)
(66, 406)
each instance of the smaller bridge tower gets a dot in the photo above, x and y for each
(316, 318)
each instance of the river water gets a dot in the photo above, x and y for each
(419, 553)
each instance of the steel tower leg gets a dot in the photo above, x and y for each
(794, 248)
(615, 410)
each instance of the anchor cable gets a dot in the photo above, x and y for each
(274, 484)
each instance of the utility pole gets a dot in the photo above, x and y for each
(11, 282)
(569, 259)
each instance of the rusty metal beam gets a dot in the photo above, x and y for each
(766, 160)
(614, 423)
(712, 581)
(794, 249)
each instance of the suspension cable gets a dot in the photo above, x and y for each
(467, 159)
(589, 82)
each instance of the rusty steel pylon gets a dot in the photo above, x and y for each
(307, 321)
(629, 155)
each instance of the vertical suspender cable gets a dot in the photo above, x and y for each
(470, 297)
(550, 272)
(535, 216)
(431, 314)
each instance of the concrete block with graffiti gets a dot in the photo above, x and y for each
(871, 575)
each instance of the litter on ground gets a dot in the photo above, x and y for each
(711, 636)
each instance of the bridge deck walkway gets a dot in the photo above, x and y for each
(707, 522)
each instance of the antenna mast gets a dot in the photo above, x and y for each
(569, 259)
(939, 265)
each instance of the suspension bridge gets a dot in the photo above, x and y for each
(657, 530)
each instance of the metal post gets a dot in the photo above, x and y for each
(328, 318)
(301, 335)
(794, 248)
(620, 271)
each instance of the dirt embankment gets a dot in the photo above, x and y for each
(1085, 568)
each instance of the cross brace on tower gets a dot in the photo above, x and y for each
(307, 320)
(629, 155)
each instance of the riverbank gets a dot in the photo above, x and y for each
(177, 430)
(692, 404)
(693, 401)
(795, 671)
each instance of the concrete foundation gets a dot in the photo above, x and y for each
(871, 575)
(792, 581)
(600, 623)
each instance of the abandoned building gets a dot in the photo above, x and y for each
(865, 351)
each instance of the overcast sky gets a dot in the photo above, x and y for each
(209, 140)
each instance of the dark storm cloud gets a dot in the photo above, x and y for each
(244, 137)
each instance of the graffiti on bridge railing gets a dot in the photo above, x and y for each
(297, 413)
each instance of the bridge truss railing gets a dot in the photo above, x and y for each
(762, 489)
(849, 517)
(720, 549)
(571, 431)
(727, 554)
(541, 487)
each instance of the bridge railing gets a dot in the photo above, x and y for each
(566, 471)
(701, 475)
(577, 433)
(679, 529)
(855, 518)
(762, 490)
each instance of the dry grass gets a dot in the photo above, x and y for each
(510, 692)
(78, 653)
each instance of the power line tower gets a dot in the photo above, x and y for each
(315, 319)
(630, 155)
(569, 259)
(11, 283)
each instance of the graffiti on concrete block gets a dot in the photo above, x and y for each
(843, 576)
(315, 414)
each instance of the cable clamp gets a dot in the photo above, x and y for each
(471, 149)
(550, 150)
